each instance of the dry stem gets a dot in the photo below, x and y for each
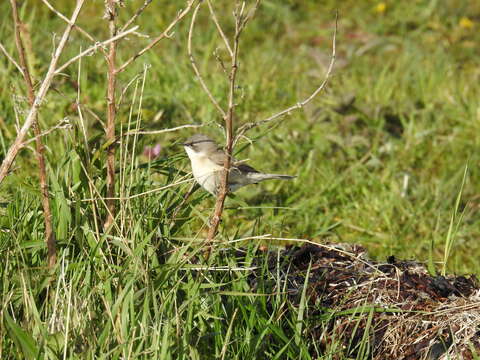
(42, 92)
(111, 13)
(40, 150)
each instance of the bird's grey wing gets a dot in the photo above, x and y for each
(245, 168)
(218, 157)
(237, 171)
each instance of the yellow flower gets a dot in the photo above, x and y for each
(466, 23)
(380, 8)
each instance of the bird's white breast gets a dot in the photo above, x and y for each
(203, 169)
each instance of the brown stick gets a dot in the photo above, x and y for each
(40, 150)
(155, 41)
(222, 194)
(42, 92)
(111, 13)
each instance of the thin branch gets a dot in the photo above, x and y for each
(63, 124)
(42, 92)
(219, 28)
(156, 132)
(11, 59)
(144, 193)
(195, 68)
(165, 34)
(40, 150)
(94, 47)
(67, 20)
(243, 129)
(137, 14)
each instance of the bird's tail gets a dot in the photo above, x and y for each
(261, 177)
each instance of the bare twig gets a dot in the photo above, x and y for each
(156, 132)
(67, 20)
(243, 129)
(63, 124)
(195, 68)
(94, 47)
(137, 14)
(222, 192)
(42, 92)
(219, 28)
(11, 59)
(111, 14)
(189, 179)
(163, 35)
(40, 150)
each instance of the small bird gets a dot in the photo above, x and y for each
(207, 161)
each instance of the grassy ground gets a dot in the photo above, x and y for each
(379, 157)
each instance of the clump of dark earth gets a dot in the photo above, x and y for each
(397, 308)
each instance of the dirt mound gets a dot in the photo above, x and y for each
(393, 310)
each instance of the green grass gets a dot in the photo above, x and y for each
(384, 171)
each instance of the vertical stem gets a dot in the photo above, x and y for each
(222, 194)
(111, 12)
(40, 150)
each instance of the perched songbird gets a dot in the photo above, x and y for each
(207, 161)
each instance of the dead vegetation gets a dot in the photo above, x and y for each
(392, 310)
